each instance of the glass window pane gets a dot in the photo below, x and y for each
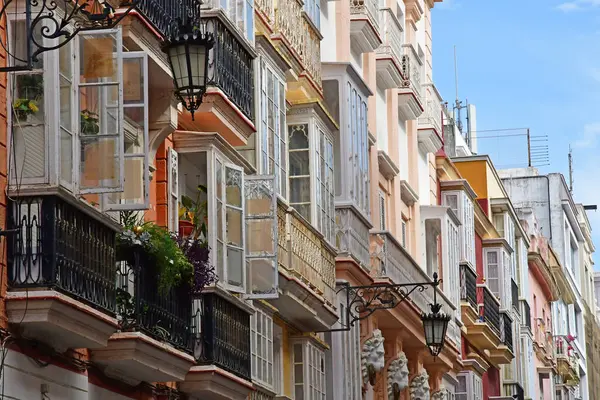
(234, 227)
(28, 104)
(98, 108)
(98, 59)
(66, 156)
(133, 130)
(234, 267)
(233, 189)
(99, 164)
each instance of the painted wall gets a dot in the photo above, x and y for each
(22, 380)
(474, 172)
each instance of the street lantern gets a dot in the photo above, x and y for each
(187, 51)
(435, 324)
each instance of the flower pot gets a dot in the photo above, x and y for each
(185, 228)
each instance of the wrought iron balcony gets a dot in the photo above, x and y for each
(59, 247)
(411, 71)
(225, 335)
(164, 316)
(163, 14)
(230, 66)
(514, 289)
(389, 54)
(366, 8)
(489, 308)
(506, 334)
(514, 390)
(468, 285)
(432, 117)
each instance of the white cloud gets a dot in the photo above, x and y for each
(577, 5)
(591, 132)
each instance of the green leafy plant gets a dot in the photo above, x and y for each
(196, 212)
(89, 123)
(159, 249)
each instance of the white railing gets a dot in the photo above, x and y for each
(411, 70)
(368, 7)
(267, 8)
(432, 117)
(392, 34)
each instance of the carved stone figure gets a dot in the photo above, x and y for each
(419, 387)
(397, 376)
(372, 357)
(440, 395)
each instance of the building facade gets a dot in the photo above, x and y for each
(150, 253)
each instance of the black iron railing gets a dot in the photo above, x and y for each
(225, 335)
(514, 390)
(526, 314)
(468, 285)
(506, 330)
(490, 311)
(165, 316)
(514, 288)
(230, 67)
(165, 15)
(59, 247)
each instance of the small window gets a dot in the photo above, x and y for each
(492, 275)
(261, 326)
(313, 10)
(382, 211)
(309, 371)
(404, 234)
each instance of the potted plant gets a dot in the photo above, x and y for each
(197, 252)
(193, 215)
(89, 123)
(24, 107)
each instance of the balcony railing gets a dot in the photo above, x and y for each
(514, 290)
(311, 52)
(267, 9)
(352, 236)
(411, 71)
(225, 335)
(432, 117)
(489, 308)
(370, 8)
(142, 307)
(514, 390)
(506, 330)
(230, 66)
(163, 14)
(468, 285)
(525, 314)
(392, 35)
(306, 256)
(289, 22)
(59, 247)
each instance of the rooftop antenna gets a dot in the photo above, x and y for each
(570, 170)
(458, 105)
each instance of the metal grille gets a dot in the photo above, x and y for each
(468, 285)
(60, 247)
(491, 309)
(225, 336)
(506, 330)
(515, 293)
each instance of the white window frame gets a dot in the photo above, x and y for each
(321, 175)
(312, 8)
(120, 132)
(474, 387)
(243, 18)
(313, 382)
(280, 134)
(404, 233)
(382, 211)
(463, 208)
(359, 149)
(145, 148)
(262, 331)
(173, 189)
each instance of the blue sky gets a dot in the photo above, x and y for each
(528, 63)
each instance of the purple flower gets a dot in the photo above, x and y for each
(197, 252)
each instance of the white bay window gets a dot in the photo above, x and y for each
(88, 131)
(469, 387)
(497, 274)
(462, 205)
(242, 225)
(273, 135)
(311, 149)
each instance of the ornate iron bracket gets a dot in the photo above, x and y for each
(50, 24)
(362, 301)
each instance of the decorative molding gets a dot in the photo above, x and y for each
(397, 376)
(373, 354)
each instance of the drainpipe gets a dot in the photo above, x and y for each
(548, 194)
